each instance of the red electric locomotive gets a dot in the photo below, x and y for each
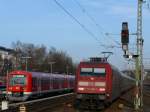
(21, 85)
(99, 82)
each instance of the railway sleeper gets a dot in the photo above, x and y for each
(90, 104)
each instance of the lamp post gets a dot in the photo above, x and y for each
(51, 65)
(26, 61)
(67, 70)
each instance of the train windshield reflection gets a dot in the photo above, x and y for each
(18, 80)
(93, 72)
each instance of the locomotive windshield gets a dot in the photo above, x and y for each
(93, 72)
(18, 80)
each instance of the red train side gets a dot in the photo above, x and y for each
(99, 81)
(22, 85)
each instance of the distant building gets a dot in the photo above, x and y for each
(6, 52)
(7, 60)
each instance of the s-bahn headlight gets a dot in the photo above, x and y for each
(80, 89)
(17, 88)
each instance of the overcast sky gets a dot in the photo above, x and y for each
(44, 22)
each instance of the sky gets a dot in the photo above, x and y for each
(44, 22)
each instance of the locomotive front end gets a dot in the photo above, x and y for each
(17, 86)
(92, 83)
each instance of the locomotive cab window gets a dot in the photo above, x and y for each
(18, 80)
(100, 71)
(86, 71)
(93, 72)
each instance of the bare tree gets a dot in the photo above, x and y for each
(40, 58)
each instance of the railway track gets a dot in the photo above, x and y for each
(61, 103)
(124, 100)
(41, 105)
(64, 103)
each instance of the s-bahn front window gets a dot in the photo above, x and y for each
(93, 72)
(18, 80)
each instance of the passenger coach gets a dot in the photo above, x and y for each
(22, 85)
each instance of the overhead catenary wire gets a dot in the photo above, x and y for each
(77, 21)
(101, 30)
(81, 25)
(89, 16)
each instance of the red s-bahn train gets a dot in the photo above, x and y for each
(99, 82)
(22, 85)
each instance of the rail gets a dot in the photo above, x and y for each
(44, 103)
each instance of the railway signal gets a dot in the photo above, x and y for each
(125, 33)
(125, 37)
(138, 101)
(131, 56)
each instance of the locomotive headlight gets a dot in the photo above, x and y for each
(81, 89)
(102, 89)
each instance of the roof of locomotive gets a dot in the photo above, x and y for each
(89, 62)
(18, 72)
(95, 60)
(98, 60)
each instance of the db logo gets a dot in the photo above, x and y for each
(92, 78)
